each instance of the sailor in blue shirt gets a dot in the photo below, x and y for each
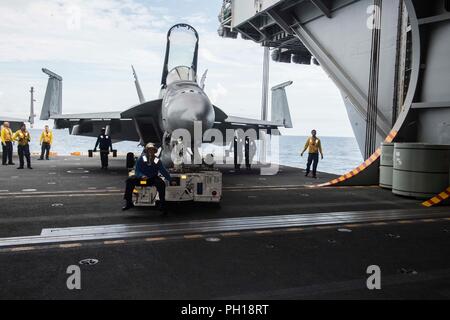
(105, 143)
(147, 168)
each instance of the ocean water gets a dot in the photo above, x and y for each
(64, 143)
(341, 154)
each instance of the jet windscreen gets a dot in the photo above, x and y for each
(181, 55)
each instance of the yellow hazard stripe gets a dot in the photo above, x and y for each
(374, 157)
(18, 249)
(155, 239)
(107, 242)
(437, 199)
(263, 231)
(355, 171)
(296, 229)
(193, 236)
(444, 195)
(391, 136)
(70, 245)
(230, 234)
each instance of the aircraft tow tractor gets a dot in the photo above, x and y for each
(191, 184)
(188, 183)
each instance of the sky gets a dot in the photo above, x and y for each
(92, 45)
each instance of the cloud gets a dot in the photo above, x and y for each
(96, 32)
(218, 92)
(198, 18)
(93, 43)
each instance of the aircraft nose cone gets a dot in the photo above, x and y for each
(196, 108)
(188, 108)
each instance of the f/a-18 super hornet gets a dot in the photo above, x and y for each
(182, 103)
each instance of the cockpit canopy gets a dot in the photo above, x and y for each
(181, 54)
(181, 73)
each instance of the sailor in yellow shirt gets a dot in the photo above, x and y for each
(46, 141)
(7, 144)
(314, 146)
(23, 137)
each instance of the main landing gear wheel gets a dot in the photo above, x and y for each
(130, 160)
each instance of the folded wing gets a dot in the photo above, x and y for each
(280, 116)
(135, 124)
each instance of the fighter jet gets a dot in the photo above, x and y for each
(182, 102)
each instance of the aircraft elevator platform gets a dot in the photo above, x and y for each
(389, 59)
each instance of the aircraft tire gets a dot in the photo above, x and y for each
(130, 160)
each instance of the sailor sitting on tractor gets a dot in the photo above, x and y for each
(147, 168)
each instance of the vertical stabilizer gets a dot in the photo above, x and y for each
(138, 86)
(280, 105)
(53, 96)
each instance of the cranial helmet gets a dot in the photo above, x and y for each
(150, 146)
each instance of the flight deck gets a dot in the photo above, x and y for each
(268, 239)
(74, 191)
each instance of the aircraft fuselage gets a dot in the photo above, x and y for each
(185, 102)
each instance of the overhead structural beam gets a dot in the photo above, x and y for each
(280, 20)
(322, 7)
(289, 4)
(434, 19)
(344, 82)
(247, 34)
(431, 105)
(263, 35)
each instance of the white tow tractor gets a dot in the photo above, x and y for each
(195, 184)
